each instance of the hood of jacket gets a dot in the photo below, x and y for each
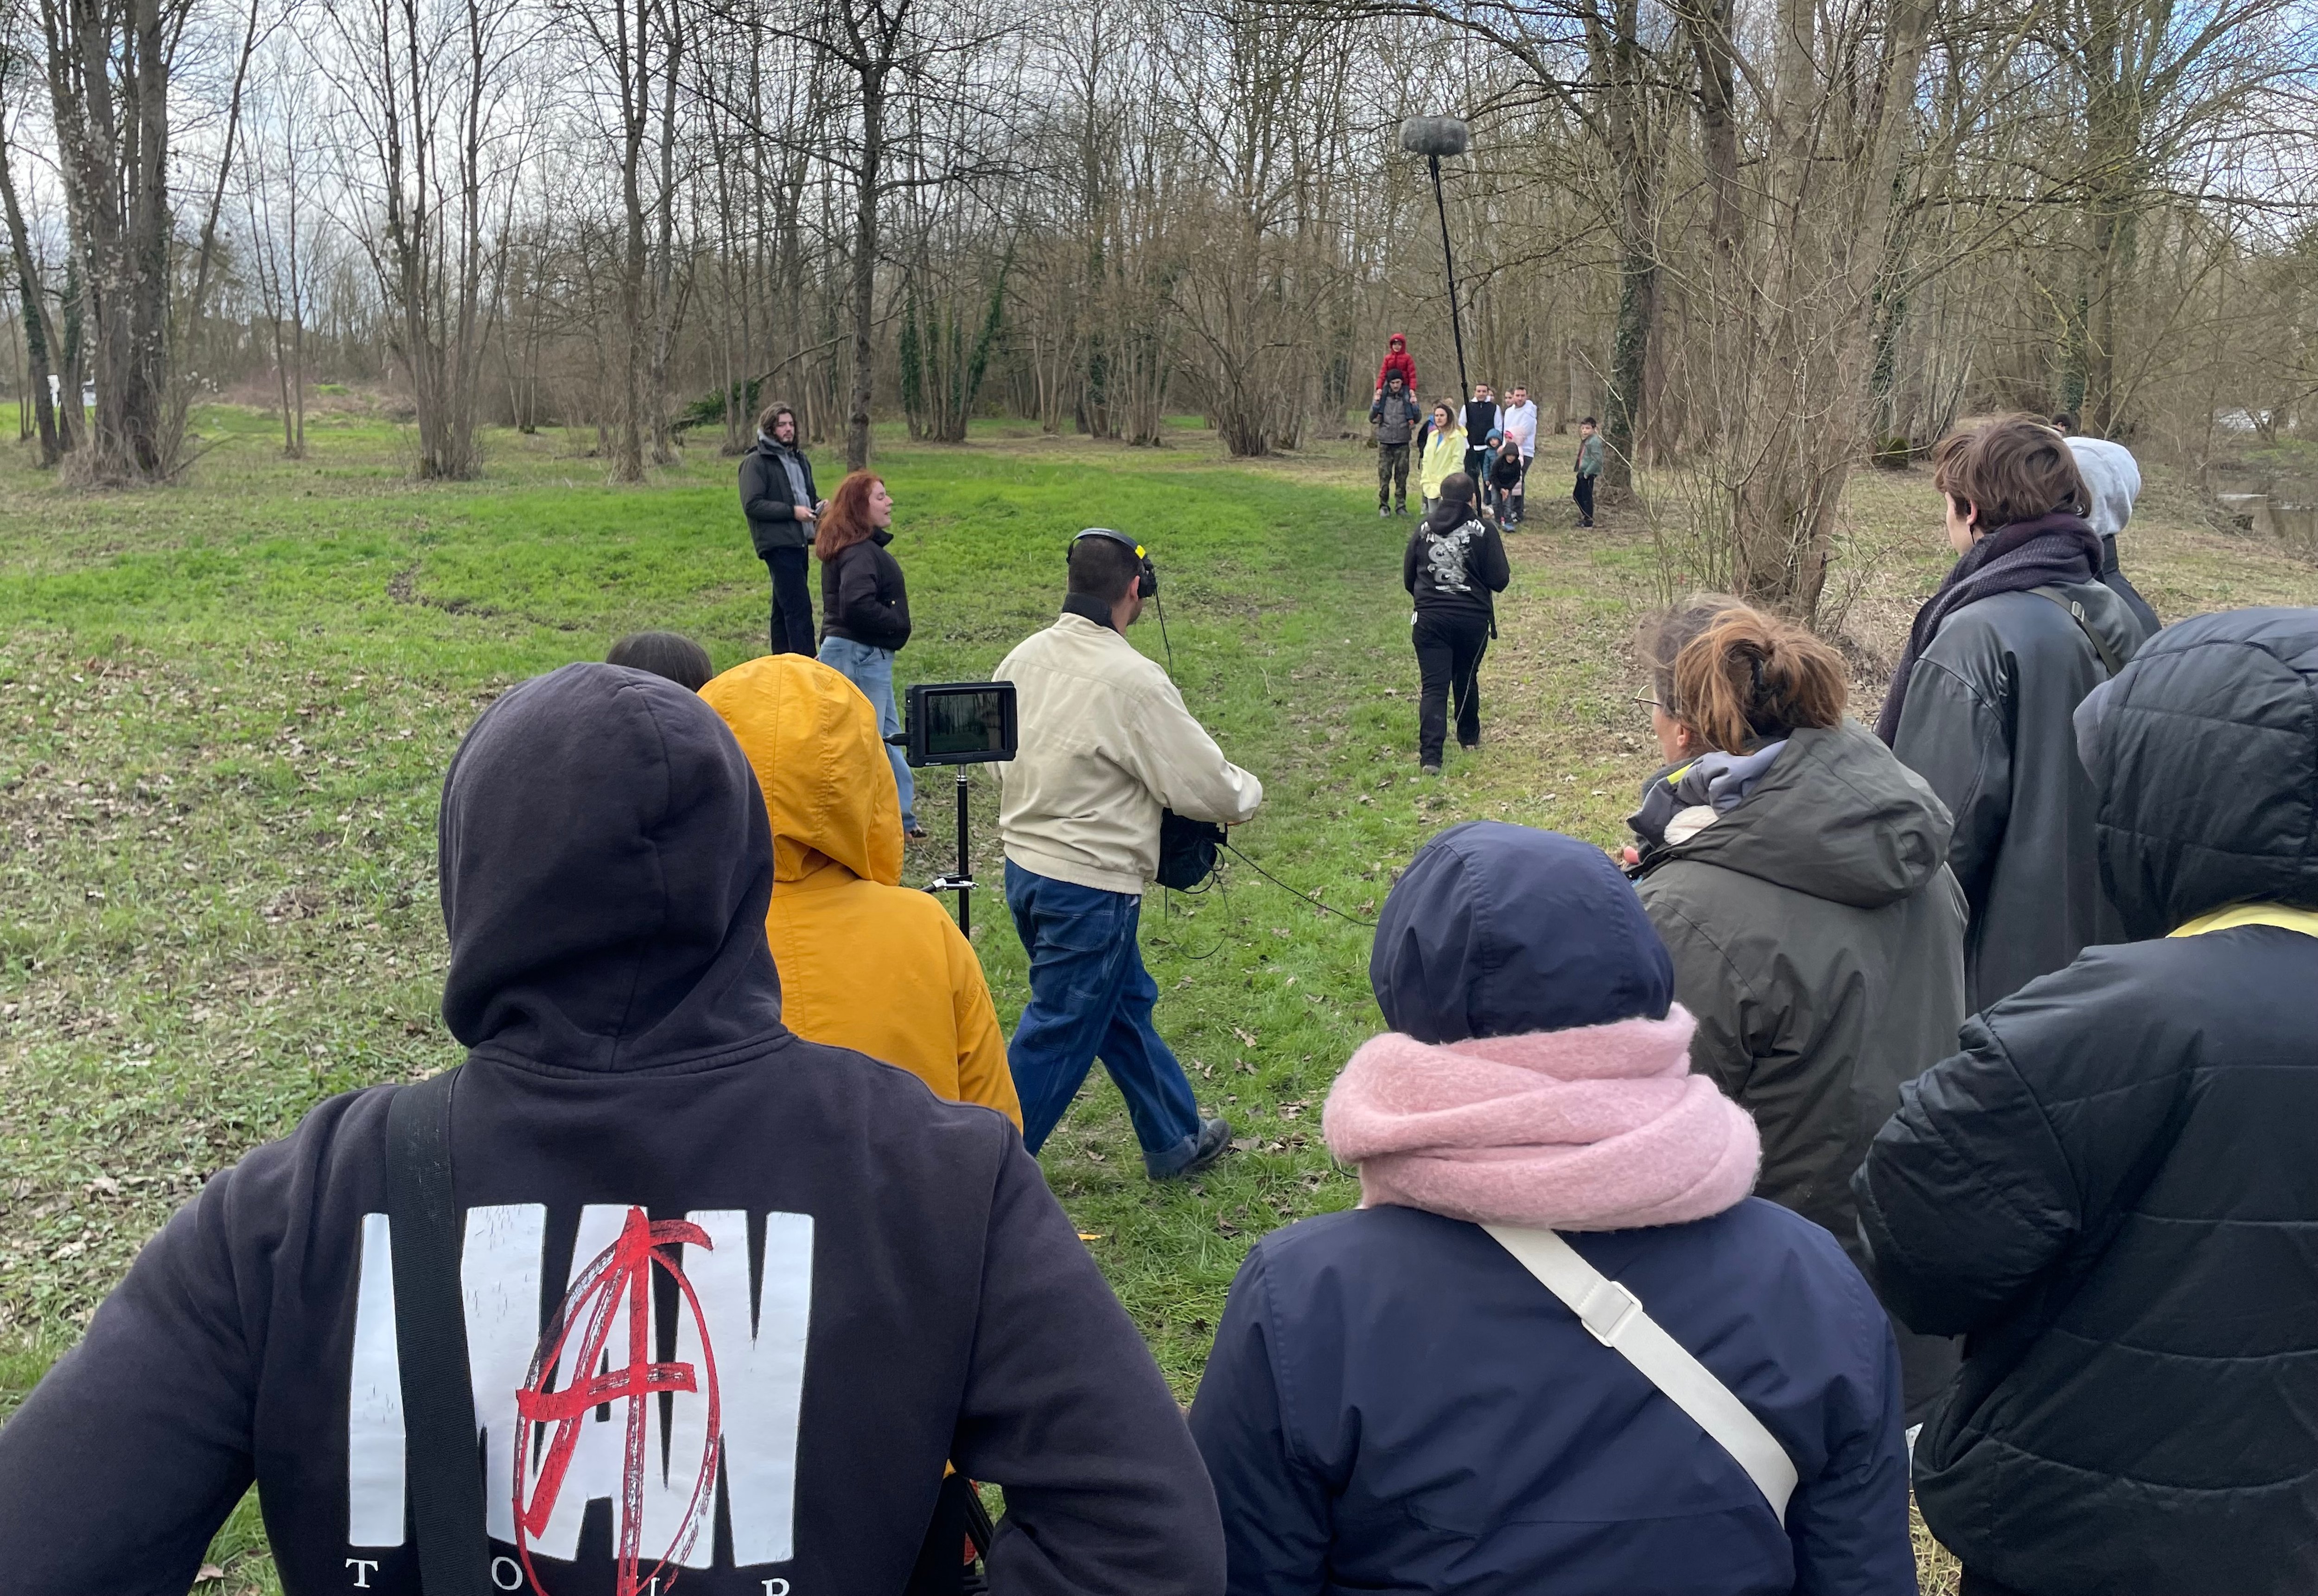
(604, 866)
(2112, 480)
(1396, 343)
(812, 739)
(2203, 753)
(1497, 930)
(1835, 816)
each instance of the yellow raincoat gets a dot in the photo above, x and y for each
(1443, 456)
(864, 963)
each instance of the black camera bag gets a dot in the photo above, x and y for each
(1186, 850)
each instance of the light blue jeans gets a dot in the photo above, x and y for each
(872, 670)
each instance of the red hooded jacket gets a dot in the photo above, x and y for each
(1397, 359)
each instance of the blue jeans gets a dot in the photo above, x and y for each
(872, 670)
(1090, 995)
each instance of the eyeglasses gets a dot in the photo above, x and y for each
(1646, 698)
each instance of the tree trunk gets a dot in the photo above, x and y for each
(1634, 155)
(39, 336)
(865, 264)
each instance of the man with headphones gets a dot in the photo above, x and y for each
(1105, 745)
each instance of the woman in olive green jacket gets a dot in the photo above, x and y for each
(1798, 874)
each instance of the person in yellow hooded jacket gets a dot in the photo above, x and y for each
(1439, 450)
(864, 963)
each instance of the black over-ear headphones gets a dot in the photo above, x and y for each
(1146, 580)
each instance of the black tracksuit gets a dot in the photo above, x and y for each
(1454, 561)
(2110, 1191)
(870, 1280)
(769, 500)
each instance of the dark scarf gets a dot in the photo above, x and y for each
(1087, 608)
(2061, 547)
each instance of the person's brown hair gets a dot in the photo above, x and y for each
(769, 417)
(2012, 469)
(1738, 677)
(668, 654)
(847, 520)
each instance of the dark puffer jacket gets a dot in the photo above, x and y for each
(1818, 937)
(863, 596)
(2112, 1189)
(1986, 724)
(769, 498)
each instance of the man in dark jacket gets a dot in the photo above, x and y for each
(777, 495)
(1997, 661)
(1481, 430)
(2111, 1189)
(1395, 416)
(1454, 564)
(853, 1280)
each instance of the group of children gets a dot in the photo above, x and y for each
(1493, 444)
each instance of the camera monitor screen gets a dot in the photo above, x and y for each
(961, 723)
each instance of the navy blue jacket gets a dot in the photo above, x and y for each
(1394, 1404)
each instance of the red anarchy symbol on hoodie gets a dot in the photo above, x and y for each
(621, 1275)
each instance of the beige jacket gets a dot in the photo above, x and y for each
(1105, 743)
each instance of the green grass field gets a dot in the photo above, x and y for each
(229, 705)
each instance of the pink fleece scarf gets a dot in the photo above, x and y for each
(1603, 1127)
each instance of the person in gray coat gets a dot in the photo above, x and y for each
(2112, 481)
(1996, 664)
(1797, 874)
(777, 496)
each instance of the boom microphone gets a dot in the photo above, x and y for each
(1435, 136)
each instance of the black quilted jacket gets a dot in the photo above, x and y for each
(2113, 1190)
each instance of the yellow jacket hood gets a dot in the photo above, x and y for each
(812, 739)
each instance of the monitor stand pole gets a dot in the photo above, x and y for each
(962, 884)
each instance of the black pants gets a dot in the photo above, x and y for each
(2114, 580)
(1583, 493)
(792, 628)
(1450, 644)
(1392, 476)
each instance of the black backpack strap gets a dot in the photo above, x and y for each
(2111, 661)
(445, 1470)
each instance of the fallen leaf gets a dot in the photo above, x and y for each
(1247, 1038)
(1089, 1235)
(208, 1571)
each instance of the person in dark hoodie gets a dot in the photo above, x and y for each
(777, 495)
(2110, 1189)
(1395, 1402)
(1996, 661)
(860, 1281)
(1798, 874)
(1454, 562)
(864, 612)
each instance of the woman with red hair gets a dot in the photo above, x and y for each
(865, 610)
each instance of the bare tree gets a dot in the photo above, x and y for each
(419, 85)
(59, 431)
(108, 67)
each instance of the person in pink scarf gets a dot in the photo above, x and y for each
(1396, 1402)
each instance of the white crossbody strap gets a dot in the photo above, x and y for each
(1615, 1317)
